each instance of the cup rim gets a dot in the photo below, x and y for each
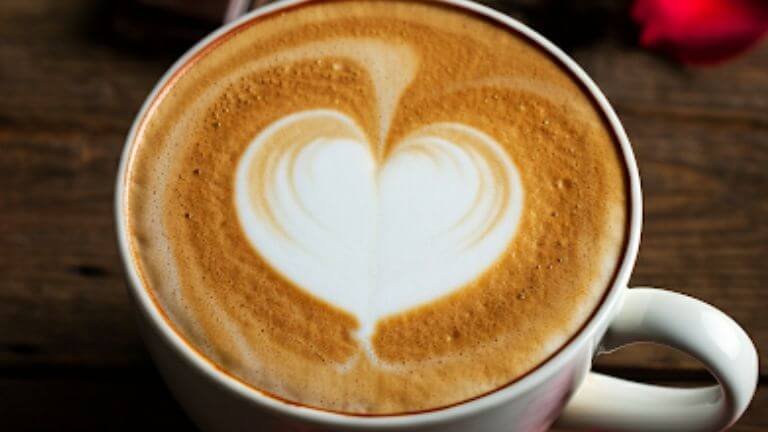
(494, 398)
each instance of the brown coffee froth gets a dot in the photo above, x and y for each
(396, 69)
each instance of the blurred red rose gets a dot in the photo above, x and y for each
(701, 31)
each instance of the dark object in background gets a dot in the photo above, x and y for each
(157, 26)
(161, 26)
(174, 25)
(206, 10)
(213, 10)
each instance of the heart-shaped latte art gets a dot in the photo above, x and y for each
(376, 236)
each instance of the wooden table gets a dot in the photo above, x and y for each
(73, 74)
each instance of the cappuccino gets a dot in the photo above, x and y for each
(375, 207)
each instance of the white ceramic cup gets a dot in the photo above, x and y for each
(561, 389)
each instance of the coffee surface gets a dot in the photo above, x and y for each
(375, 207)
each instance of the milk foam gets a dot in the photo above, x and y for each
(375, 238)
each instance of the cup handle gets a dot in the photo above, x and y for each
(682, 322)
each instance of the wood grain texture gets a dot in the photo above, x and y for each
(73, 74)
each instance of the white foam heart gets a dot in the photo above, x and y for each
(376, 234)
